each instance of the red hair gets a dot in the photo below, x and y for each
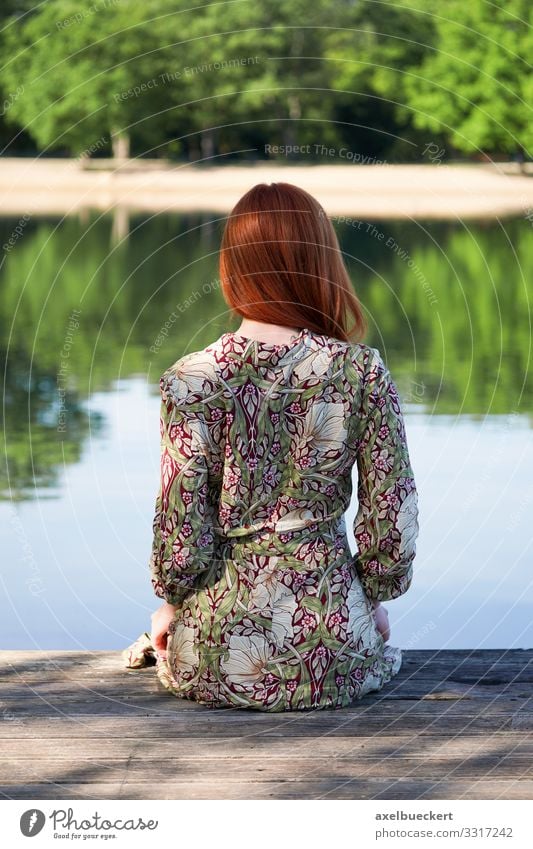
(280, 262)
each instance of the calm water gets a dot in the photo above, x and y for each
(83, 334)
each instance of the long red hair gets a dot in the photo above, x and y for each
(280, 262)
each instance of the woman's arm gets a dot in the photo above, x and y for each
(183, 535)
(386, 524)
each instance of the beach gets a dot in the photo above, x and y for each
(376, 191)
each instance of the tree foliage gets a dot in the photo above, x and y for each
(476, 87)
(232, 76)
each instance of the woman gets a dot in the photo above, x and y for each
(264, 605)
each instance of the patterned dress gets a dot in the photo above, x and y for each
(258, 445)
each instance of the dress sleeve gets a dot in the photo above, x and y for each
(183, 534)
(386, 523)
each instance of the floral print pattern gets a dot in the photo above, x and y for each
(258, 443)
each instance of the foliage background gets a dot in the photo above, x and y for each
(223, 79)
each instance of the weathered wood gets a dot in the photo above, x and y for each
(110, 749)
(450, 725)
(237, 770)
(129, 697)
(368, 788)
(435, 723)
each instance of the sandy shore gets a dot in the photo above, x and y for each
(39, 187)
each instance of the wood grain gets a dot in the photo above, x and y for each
(451, 725)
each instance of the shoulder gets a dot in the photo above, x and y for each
(364, 363)
(190, 378)
(355, 355)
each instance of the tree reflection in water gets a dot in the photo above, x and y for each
(448, 304)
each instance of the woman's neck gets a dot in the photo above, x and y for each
(277, 334)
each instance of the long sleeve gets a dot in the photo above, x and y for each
(184, 539)
(386, 524)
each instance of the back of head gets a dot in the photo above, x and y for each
(280, 263)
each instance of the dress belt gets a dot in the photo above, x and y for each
(268, 540)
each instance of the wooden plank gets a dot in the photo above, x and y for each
(61, 694)
(376, 747)
(222, 721)
(484, 659)
(308, 789)
(271, 768)
(450, 725)
(11, 663)
(423, 718)
(129, 679)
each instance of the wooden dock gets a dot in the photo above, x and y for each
(452, 725)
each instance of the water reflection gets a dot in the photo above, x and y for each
(95, 308)
(36, 447)
(449, 305)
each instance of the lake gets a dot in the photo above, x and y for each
(91, 319)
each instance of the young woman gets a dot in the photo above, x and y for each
(264, 606)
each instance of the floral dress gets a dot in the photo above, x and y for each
(258, 443)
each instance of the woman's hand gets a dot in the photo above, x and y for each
(381, 618)
(161, 619)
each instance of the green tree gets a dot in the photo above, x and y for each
(477, 87)
(372, 55)
(90, 73)
(284, 85)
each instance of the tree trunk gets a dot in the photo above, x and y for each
(121, 144)
(207, 144)
(193, 148)
(520, 157)
(121, 225)
(295, 113)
